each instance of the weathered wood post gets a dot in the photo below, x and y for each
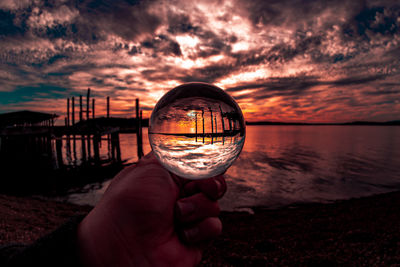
(112, 141)
(96, 141)
(140, 140)
(108, 135)
(73, 111)
(87, 118)
(117, 145)
(80, 108)
(49, 149)
(83, 147)
(138, 128)
(87, 103)
(137, 108)
(223, 125)
(195, 114)
(73, 123)
(59, 152)
(68, 148)
(212, 126)
(116, 150)
(74, 148)
(202, 116)
(67, 112)
(95, 138)
(89, 150)
(68, 140)
(216, 128)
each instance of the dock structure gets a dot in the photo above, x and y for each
(31, 135)
(214, 134)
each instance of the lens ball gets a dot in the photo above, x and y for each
(197, 130)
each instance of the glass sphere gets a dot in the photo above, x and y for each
(197, 130)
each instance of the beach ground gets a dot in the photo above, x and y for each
(357, 232)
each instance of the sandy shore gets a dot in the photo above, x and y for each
(358, 232)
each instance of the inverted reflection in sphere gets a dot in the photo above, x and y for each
(196, 130)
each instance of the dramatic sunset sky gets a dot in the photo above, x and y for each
(306, 61)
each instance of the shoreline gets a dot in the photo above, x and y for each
(359, 231)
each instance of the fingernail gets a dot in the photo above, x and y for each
(191, 234)
(186, 208)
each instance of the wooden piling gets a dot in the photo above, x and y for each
(139, 129)
(195, 125)
(223, 125)
(112, 150)
(137, 108)
(74, 148)
(212, 126)
(216, 128)
(118, 147)
(202, 116)
(73, 111)
(108, 136)
(80, 108)
(60, 162)
(87, 103)
(83, 147)
(49, 146)
(89, 150)
(68, 149)
(96, 148)
(140, 137)
(67, 112)
(116, 150)
(230, 126)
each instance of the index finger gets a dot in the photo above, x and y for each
(214, 187)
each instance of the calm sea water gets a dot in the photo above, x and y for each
(282, 165)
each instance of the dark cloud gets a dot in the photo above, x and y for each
(127, 19)
(162, 44)
(7, 25)
(89, 22)
(180, 23)
(382, 92)
(209, 74)
(357, 80)
(286, 12)
(296, 86)
(284, 52)
(313, 53)
(372, 22)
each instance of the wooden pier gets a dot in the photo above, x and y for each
(32, 136)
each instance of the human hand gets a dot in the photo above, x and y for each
(150, 217)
